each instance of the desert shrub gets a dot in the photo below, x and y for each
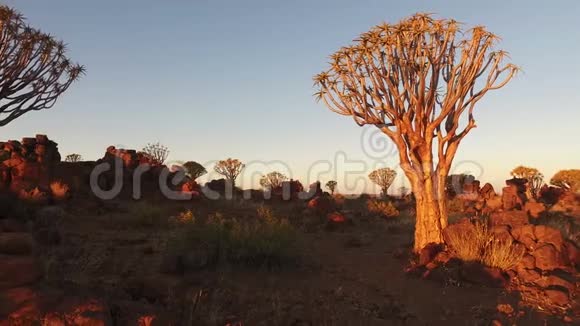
(455, 205)
(59, 190)
(382, 208)
(144, 214)
(186, 216)
(267, 241)
(478, 243)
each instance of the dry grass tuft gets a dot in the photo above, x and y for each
(383, 208)
(479, 244)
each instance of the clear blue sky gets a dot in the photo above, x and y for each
(214, 79)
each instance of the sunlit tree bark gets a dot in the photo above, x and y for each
(417, 81)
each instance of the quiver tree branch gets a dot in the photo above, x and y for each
(34, 70)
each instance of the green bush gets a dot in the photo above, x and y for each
(144, 214)
(382, 208)
(264, 242)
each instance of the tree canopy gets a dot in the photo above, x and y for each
(34, 68)
(383, 178)
(194, 169)
(229, 168)
(568, 179)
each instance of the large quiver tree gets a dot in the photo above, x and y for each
(418, 81)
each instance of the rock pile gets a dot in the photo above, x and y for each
(545, 275)
(27, 164)
(131, 158)
(145, 182)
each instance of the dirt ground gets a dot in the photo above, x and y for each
(351, 276)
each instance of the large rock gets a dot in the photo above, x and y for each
(525, 235)
(546, 234)
(534, 209)
(487, 192)
(558, 297)
(28, 164)
(572, 253)
(547, 257)
(511, 218)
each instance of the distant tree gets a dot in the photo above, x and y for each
(331, 185)
(567, 179)
(230, 169)
(156, 152)
(383, 178)
(403, 191)
(73, 158)
(194, 169)
(418, 81)
(34, 70)
(272, 180)
(532, 175)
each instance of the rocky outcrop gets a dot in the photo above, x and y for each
(487, 192)
(545, 275)
(567, 204)
(28, 164)
(514, 194)
(290, 189)
(138, 174)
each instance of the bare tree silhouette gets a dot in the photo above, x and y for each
(230, 169)
(34, 70)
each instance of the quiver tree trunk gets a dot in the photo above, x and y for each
(431, 211)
